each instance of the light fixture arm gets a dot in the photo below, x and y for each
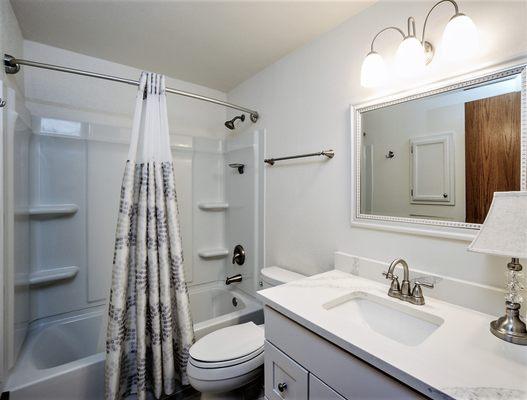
(411, 27)
(456, 8)
(383, 30)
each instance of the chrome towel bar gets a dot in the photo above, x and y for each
(327, 153)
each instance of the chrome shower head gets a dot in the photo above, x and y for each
(230, 124)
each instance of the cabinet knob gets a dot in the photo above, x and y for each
(282, 387)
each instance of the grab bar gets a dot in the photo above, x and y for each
(328, 153)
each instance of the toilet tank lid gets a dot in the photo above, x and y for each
(278, 275)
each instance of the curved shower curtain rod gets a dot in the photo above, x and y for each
(12, 66)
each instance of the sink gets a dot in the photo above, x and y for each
(392, 319)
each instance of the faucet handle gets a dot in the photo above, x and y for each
(423, 283)
(417, 297)
(426, 281)
(389, 275)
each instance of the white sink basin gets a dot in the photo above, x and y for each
(392, 319)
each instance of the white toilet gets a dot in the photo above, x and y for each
(232, 357)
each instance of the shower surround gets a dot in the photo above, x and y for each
(67, 225)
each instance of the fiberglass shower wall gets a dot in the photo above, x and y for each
(17, 221)
(245, 196)
(74, 184)
(76, 169)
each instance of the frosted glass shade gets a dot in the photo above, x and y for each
(504, 231)
(410, 57)
(373, 71)
(460, 38)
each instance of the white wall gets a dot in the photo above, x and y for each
(65, 96)
(11, 41)
(392, 129)
(304, 102)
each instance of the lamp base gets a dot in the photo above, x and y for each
(510, 327)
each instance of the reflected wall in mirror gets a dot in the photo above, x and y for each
(438, 157)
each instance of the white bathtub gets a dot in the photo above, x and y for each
(59, 358)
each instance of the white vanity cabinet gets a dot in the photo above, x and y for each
(301, 365)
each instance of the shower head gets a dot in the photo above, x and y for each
(230, 124)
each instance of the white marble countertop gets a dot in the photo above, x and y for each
(461, 359)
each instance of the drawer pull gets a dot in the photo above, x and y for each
(282, 387)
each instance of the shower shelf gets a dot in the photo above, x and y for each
(213, 206)
(53, 209)
(213, 253)
(52, 275)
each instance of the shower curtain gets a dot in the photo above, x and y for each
(149, 324)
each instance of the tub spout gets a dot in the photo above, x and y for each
(232, 279)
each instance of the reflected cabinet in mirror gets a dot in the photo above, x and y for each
(436, 157)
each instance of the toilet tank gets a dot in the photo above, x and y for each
(274, 276)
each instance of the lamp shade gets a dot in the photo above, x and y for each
(460, 38)
(410, 58)
(504, 231)
(373, 71)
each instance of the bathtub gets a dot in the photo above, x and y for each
(59, 358)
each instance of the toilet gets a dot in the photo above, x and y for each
(232, 357)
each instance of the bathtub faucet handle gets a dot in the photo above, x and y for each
(238, 255)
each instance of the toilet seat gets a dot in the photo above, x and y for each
(197, 373)
(226, 355)
(230, 343)
(227, 363)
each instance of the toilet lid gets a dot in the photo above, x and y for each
(228, 343)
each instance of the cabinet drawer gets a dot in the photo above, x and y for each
(284, 378)
(318, 390)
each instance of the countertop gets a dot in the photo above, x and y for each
(461, 359)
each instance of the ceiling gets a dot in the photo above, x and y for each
(218, 44)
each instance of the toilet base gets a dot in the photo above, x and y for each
(228, 389)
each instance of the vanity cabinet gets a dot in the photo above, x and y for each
(283, 376)
(301, 365)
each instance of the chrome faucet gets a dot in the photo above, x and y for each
(233, 279)
(402, 291)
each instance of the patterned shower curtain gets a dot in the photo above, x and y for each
(149, 324)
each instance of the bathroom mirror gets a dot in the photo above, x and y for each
(430, 160)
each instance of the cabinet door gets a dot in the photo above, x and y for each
(284, 378)
(432, 170)
(318, 390)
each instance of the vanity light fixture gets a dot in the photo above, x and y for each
(460, 40)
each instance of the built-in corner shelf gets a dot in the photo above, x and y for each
(53, 210)
(52, 275)
(213, 253)
(213, 206)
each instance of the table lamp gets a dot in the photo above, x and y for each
(504, 233)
